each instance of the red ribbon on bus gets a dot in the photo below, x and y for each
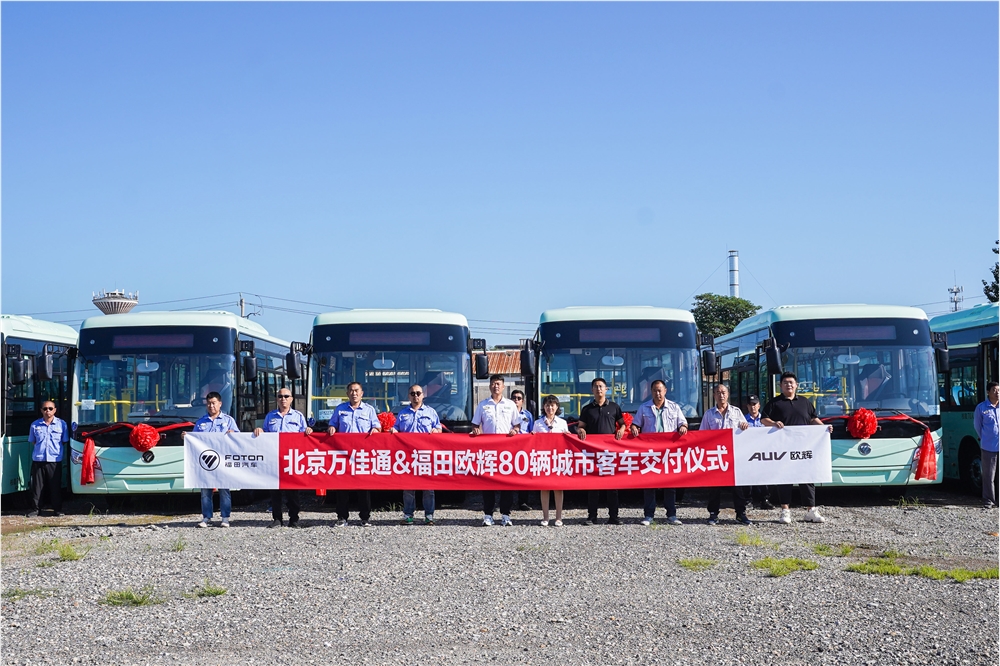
(141, 443)
(926, 461)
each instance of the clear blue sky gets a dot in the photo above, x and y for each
(496, 159)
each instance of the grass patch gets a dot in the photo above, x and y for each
(207, 590)
(697, 563)
(749, 538)
(892, 554)
(178, 545)
(886, 565)
(130, 597)
(46, 547)
(17, 594)
(826, 550)
(783, 567)
(905, 502)
(67, 553)
(540, 548)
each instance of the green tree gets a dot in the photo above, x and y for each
(718, 315)
(991, 290)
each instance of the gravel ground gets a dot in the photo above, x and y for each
(458, 593)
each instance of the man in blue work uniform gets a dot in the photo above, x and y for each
(215, 421)
(417, 417)
(47, 434)
(354, 416)
(987, 424)
(527, 423)
(284, 419)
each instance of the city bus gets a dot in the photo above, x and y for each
(387, 351)
(157, 368)
(847, 357)
(630, 347)
(972, 360)
(37, 357)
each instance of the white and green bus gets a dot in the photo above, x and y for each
(847, 357)
(157, 368)
(629, 346)
(387, 351)
(37, 357)
(972, 360)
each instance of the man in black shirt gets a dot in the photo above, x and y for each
(601, 417)
(787, 409)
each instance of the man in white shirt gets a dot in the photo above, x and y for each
(724, 416)
(496, 415)
(659, 415)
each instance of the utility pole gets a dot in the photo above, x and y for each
(242, 306)
(956, 297)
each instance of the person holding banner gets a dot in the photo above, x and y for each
(215, 421)
(724, 416)
(354, 416)
(284, 419)
(417, 417)
(761, 495)
(527, 421)
(549, 422)
(496, 415)
(659, 415)
(601, 416)
(789, 410)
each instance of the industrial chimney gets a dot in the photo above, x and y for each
(734, 273)
(116, 302)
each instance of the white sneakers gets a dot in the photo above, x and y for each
(203, 523)
(506, 521)
(646, 521)
(487, 521)
(544, 523)
(558, 523)
(812, 516)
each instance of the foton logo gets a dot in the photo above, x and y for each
(768, 455)
(209, 460)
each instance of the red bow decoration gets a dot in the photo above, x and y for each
(142, 435)
(865, 421)
(387, 421)
(628, 420)
(862, 424)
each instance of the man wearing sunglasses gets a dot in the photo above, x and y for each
(47, 434)
(527, 425)
(417, 417)
(284, 419)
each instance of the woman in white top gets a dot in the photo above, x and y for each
(549, 422)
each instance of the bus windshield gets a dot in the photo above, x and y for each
(567, 374)
(841, 379)
(138, 387)
(386, 377)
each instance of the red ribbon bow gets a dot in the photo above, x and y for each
(142, 438)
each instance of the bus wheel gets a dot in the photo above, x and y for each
(970, 467)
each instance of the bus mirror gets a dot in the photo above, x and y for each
(482, 366)
(43, 366)
(293, 369)
(773, 357)
(146, 367)
(18, 371)
(527, 363)
(709, 362)
(941, 356)
(383, 364)
(612, 360)
(249, 368)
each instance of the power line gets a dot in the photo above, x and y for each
(759, 284)
(681, 304)
(178, 300)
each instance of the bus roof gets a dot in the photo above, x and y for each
(980, 315)
(841, 311)
(219, 318)
(386, 316)
(614, 312)
(20, 326)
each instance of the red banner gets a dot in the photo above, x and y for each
(398, 461)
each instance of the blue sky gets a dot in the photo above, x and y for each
(495, 159)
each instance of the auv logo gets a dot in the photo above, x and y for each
(767, 455)
(209, 460)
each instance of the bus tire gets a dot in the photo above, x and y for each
(970, 467)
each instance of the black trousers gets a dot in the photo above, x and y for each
(592, 500)
(364, 504)
(490, 499)
(785, 494)
(46, 476)
(739, 500)
(292, 498)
